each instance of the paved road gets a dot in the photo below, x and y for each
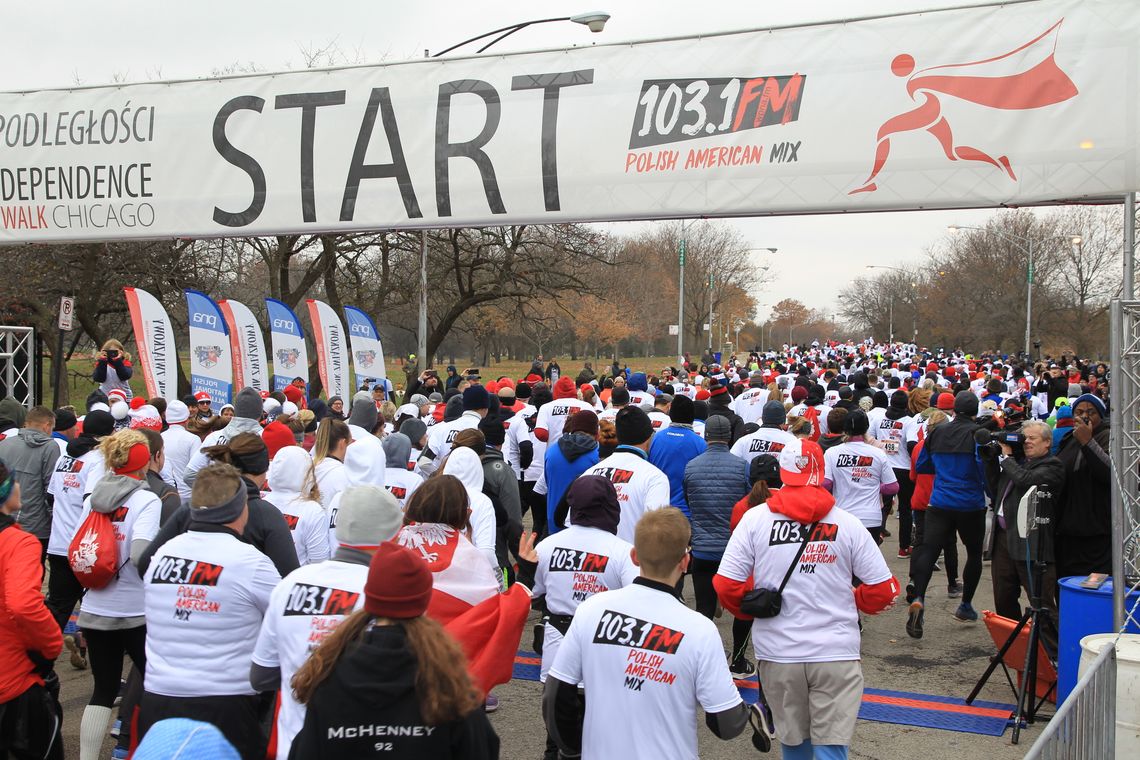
(947, 661)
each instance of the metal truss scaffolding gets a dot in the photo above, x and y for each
(18, 364)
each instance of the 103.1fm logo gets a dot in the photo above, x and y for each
(674, 110)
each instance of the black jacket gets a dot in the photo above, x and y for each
(372, 691)
(1009, 481)
(266, 530)
(1086, 509)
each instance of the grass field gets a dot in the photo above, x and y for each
(80, 384)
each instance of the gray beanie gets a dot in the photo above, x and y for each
(247, 404)
(415, 430)
(363, 413)
(368, 516)
(418, 399)
(773, 413)
(718, 428)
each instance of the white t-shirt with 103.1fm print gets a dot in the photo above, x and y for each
(646, 661)
(819, 621)
(573, 565)
(136, 519)
(304, 609)
(640, 487)
(856, 470)
(206, 593)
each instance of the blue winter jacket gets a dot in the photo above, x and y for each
(951, 455)
(713, 483)
(673, 448)
(569, 457)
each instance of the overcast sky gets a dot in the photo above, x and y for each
(96, 42)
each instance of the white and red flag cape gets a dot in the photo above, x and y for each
(466, 600)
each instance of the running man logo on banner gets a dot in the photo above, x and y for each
(211, 369)
(246, 346)
(290, 357)
(332, 349)
(155, 340)
(367, 353)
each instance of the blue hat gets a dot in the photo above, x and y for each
(475, 397)
(1095, 401)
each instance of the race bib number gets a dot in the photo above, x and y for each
(626, 631)
(891, 447)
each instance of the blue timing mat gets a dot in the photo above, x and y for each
(880, 705)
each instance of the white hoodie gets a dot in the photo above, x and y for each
(306, 519)
(363, 466)
(464, 464)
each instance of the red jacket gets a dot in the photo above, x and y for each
(25, 622)
(923, 484)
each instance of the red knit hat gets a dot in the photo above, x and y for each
(137, 401)
(276, 437)
(294, 394)
(718, 389)
(702, 394)
(492, 387)
(945, 402)
(565, 388)
(399, 583)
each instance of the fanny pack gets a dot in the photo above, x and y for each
(767, 602)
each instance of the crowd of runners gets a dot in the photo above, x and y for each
(295, 577)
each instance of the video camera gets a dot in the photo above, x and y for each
(996, 438)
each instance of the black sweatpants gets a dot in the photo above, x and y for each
(703, 571)
(236, 716)
(105, 650)
(64, 591)
(536, 502)
(30, 726)
(950, 550)
(941, 527)
(906, 490)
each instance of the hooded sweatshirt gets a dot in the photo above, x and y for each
(374, 686)
(12, 415)
(307, 522)
(135, 512)
(464, 464)
(363, 466)
(31, 456)
(570, 457)
(398, 479)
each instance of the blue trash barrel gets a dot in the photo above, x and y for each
(1083, 612)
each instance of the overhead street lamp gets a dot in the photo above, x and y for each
(595, 21)
(1018, 240)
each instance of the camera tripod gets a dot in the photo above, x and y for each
(1035, 617)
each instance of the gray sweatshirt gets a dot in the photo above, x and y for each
(31, 456)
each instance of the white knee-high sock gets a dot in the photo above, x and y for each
(93, 731)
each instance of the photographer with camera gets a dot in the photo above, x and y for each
(1010, 477)
(113, 369)
(806, 628)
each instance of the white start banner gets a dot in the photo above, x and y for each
(332, 349)
(984, 106)
(247, 346)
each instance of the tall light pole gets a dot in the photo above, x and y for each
(595, 21)
(1017, 240)
(681, 295)
(914, 313)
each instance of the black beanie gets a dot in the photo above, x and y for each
(493, 430)
(682, 411)
(522, 391)
(633, 426)
(966, 404)
(899, 400)
(856, 423)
